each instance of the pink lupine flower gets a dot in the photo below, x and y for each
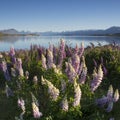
(49, 59)
(116, 96)
(76, 50)
(21, 104)
(64, 104)
(36, 112)
(19, 66)
(97, 79)
(77, 95)
(62, 53)
(44, 62)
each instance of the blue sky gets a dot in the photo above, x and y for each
(59, 15)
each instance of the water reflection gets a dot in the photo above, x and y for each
(24, 42)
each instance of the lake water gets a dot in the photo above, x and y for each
(24, 42)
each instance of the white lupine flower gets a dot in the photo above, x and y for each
(64, 104)
(35, 79)
(116, 95)
(97, 79)
(77, 95)
(52, 90)
(110, 92)
(13, 72)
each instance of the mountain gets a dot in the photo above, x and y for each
(112, 31)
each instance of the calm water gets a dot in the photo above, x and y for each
(25, 42)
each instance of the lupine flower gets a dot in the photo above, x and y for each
(13, 72)
(21, 104)
(62, 53)
(112, 119)
(81, 49)
(44, 62)
(77, 95)
(49, 59)
(107, 101)
(83, 75)
(76, 50)
(116, 95)
(64, 104)
(76, 62)
(70, 72)
(4, 68)
(35, 79)
(8, 91)
(63, 85)
(55, 54)
(36, 112)
(110, 93)
(12, 55)
(51, 47)
(110, 106)
(27, 75)
(19, 66)
(102, 101)
(104, 70)
(97, 79)
(52, 90)
(34, 99)
(95, 63)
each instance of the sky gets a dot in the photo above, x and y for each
(59, 15)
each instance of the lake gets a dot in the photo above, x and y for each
(24, 42)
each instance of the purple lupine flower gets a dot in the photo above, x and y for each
(36, 112)
(110, 106)
(49, 59)
(102, 101)
(77, 95)
(83, 75)
(44, 62)
(104, 70)
(51, 47)
(12, 55)
(19, 66)
(97, 79)
(64, 104)
(62, 53)
(107, 101)
(116, 96)
(112, 119)
(76, 62)
(35, 79)
(3, 66)
(8, 91)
